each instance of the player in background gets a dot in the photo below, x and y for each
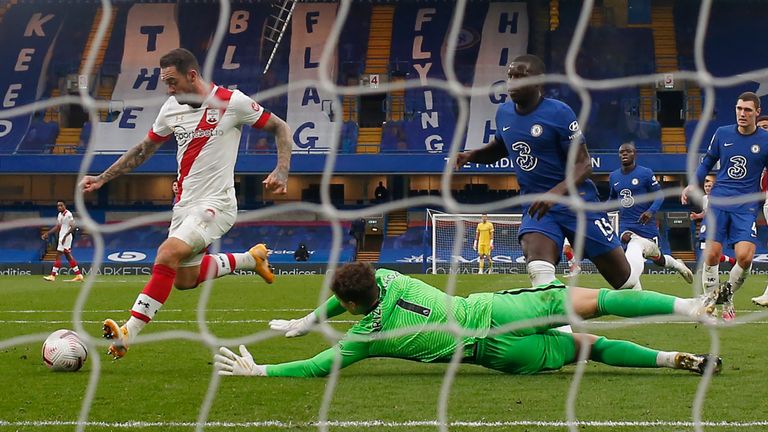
(175, 189)
(742, 151)
(65, 227)
(573, 266)
(762, 123)
(206, 120)
(390, 302)
(629, 183)
(483, 243)
(536, 133)
(708, 182)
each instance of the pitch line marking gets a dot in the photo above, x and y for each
(385, 424)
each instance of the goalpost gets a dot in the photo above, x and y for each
(507, 254)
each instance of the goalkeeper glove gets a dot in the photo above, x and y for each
(294, 327)
(474, 245)
(229, 363)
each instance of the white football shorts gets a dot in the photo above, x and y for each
(200, 225)
(65, 245)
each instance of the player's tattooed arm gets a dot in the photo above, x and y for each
(131, 159)
(277, 180)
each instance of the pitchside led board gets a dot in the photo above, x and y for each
(147, 31)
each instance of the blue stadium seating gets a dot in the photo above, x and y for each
(282, 238)
(39, 138)
(21, 245)
(725, 53)
(406, 247)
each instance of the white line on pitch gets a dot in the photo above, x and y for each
(385, 424)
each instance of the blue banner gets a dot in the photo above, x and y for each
(661, 163)
(418, 41)
(29, 35)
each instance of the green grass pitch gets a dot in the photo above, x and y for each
(162, 384)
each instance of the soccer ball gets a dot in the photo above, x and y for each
(64, 351)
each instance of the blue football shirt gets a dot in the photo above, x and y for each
(742, 159)
(538, 143)
(628, 188)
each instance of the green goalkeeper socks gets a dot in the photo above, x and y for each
(632, 303)
(623, 353)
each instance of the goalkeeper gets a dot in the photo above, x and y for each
(483, 244)
(390, 301)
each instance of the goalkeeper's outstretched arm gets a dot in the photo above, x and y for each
(299, 327)
(229, 363)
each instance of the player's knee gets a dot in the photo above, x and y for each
(744, 261)
(631, 282)
(184, 284)
(584, 342)
(169, 255)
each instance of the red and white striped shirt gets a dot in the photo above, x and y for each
(208, 138)
(67, 222)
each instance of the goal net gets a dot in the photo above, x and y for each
(506, 256)
(437, 66)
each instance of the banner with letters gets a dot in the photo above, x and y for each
(309, 106)
(150, 32)
(505, 36)
(29, 35)
(418, 44)
(239, 63)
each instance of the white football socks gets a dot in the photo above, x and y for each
(666, 359)
(710, 277)
(541, 272)
(738, 275)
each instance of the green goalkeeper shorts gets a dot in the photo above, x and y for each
(535, 347)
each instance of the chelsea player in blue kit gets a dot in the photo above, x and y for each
(742, 150)
(628, 184)
(536, 133)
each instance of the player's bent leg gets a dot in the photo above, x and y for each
(617, 270)
(211, 266)
(541, 254)
(151, 298)
(590, 303)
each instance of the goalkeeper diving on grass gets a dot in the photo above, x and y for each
(390, 301)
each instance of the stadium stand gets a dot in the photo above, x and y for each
(281, 237)
(412, 117)
(21, 245)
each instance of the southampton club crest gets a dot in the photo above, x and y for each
(212, 116)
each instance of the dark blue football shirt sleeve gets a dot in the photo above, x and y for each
(710, 159)
(654, 187)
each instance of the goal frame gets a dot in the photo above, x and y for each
(435, 215)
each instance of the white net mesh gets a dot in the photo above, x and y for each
(452, 85)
